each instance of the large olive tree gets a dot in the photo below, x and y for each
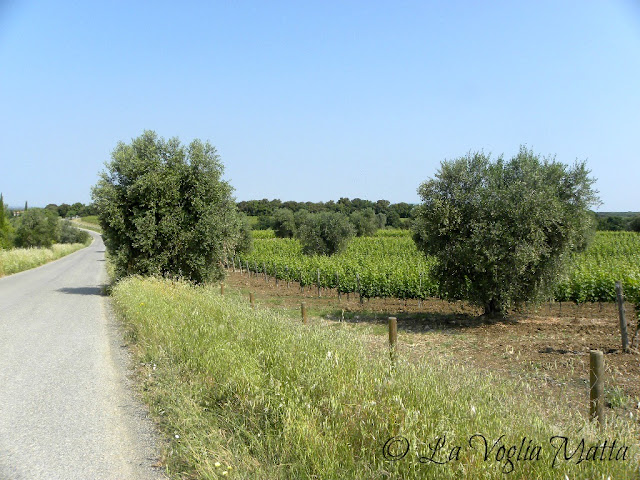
(165, 210)
(502, 231)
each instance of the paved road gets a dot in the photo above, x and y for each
(66, 406)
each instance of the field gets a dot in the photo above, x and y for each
(254, 393)
(90, 223)
(389, 265)
(548, 345)
(244, 393)
(18, 259)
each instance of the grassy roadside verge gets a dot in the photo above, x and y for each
(89, 225)
(256, 394)
(19, 259)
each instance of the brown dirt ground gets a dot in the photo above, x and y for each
(547, 347)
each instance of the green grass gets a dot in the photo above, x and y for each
(93, 219)
(258, 395)
(90, 223)
(19, 259)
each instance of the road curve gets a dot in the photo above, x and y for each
(67, 410)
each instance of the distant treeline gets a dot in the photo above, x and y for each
(396, 215)
(618, 221)
(65, 210)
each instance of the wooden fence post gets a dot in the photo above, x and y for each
(596, 382)
(393, 337)
(623, 320)
(319, 283)
(221, 288)
(303, 309)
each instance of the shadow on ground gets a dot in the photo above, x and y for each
(83, 290)
(420, 322)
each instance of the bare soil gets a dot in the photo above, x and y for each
(547, 346)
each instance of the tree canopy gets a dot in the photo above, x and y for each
(502, 231)
(164, 209)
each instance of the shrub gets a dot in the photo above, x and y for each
(501, 232)
(164, 209)
(71, 234)
(37, 227)
(6, 231)
(365, 222)
(325, 233)
(284, 224)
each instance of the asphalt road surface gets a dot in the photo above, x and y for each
(67, 410)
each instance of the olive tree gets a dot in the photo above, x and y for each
(365, 222)
(284, 224)
(165, 210)
(502, 231)
(325, 233)
(37, 227)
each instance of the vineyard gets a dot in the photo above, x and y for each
(390, 265)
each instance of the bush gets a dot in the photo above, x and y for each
(300, 217)
(501, 232)
(365, 222)
(325, 233)
(634, 224)
(37, 227)
(164, 209)
(244, 244)
(284, 224)
(71, 234)
(6, 231)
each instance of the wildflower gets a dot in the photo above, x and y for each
(473, 410)
(177, 436)
(217, 464)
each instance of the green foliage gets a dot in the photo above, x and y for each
(300, 217)
(37, 227)
(634, 224)
(365, 222)
(502, 231)
(164, 209)
(6, 231)
(261, 234)
(284, 224)
(390, 265)
(612, 223)
(244, 243)
(63, 210)
(71, 234)
(387, 265)
(325, 233)
(263, 222)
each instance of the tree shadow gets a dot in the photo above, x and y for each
(420, 322)
(83, 290)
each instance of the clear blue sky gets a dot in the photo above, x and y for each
(318, 100)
